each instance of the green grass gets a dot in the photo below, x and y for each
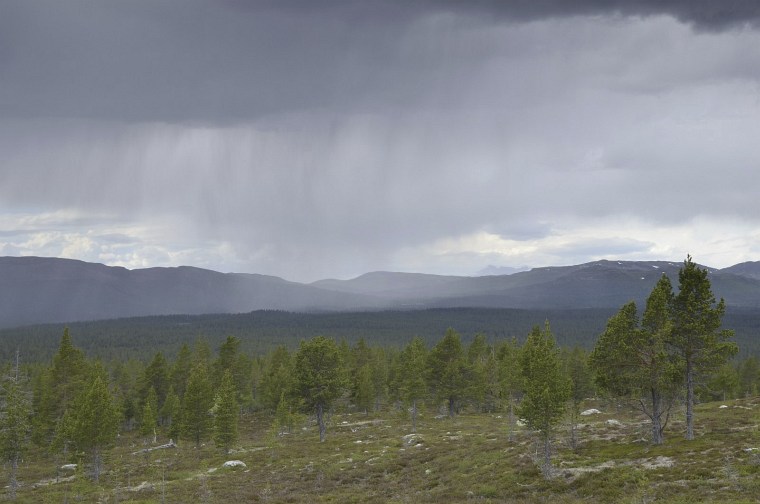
(468, 458)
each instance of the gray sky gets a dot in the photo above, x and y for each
(325, 139)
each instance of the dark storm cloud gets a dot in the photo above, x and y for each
(329, 138)
(199, 61)
(704, 14)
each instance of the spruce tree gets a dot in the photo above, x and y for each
(575, 364)
(226, 361)
(149, 416)
(413, 386)
(170, 413)
(511, 380)
(364, 389)
(277, 377)
(380, 375)
(478, 353)
(94, 422)
(57, 387)
(447, 371)
(180, 371)
(196, 406)
(547, 389)
(226, 413)
(283, 417)
(156, 377)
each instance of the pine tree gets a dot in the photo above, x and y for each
(547, 389)
(632, 360)
(15, 428)
(226, 414)
(696, 332)
(196, 406)
(319, 377)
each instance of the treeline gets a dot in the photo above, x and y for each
(676, 353)
(262, 331)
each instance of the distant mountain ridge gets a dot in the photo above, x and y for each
(36, 290)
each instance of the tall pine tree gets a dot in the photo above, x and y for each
(633, 360)
(696, 335)
(320, 377)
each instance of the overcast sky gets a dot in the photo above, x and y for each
(314, 139)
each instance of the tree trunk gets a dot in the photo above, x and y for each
(657, 437)
(511, 435)
(321, 422)
(13, 483)
(689, 400)
(573, 436)
(546, 468)
(414, 415)
(96, 464)
(451, 407)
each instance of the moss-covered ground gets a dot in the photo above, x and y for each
(468, 458)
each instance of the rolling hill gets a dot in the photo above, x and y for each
(38, 290)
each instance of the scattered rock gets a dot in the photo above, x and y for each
(751, 450)
(170, 444)
(412, 440)
(592, 411)
(69, 467)
(520, 423)
(141, 487)
(658, 462)
(613, 422)
(722, 406)
(234, 464)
